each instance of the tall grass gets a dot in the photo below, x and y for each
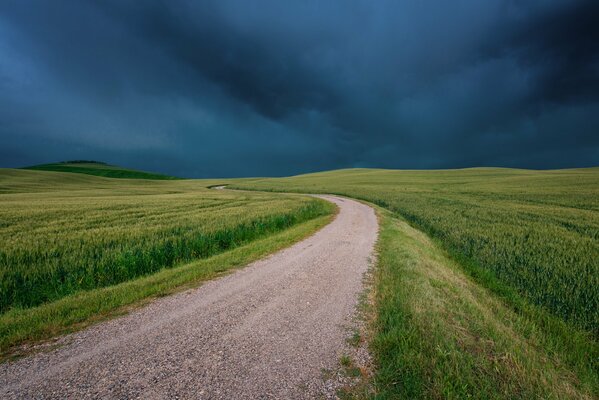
(102, 232)
(537, 231)
(19, 327)
(501, 303)
(440, 335)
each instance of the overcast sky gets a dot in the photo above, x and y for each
(247, 88)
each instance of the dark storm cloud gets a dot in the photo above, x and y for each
(563, 45)
(269, 88)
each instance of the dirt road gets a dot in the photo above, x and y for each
(266, 331)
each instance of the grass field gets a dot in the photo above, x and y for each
(99, 169)
(438, 333)
(526, 247)
(485, 286)
(64, 234)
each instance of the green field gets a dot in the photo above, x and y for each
(99, 169)
(530, 242)
(64, 234)
(536, 231)
(486, 284)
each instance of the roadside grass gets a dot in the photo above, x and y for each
(536, 231)
(349, 367)
(19, 328)
(56, 243)
(75, 247)
(99, 169)
(486, 282)
(439, 334)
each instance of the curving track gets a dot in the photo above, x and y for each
(266, 331)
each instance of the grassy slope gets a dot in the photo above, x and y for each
(75, 248)
(438, 333)
(100, 169)
(22, 327)
(447, 325)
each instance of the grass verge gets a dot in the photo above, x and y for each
(36, 275)
(536, 231)
(19, 328)
(439, 334)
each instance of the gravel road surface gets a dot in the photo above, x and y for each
(264, 332)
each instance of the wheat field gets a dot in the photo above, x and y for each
(63, 233)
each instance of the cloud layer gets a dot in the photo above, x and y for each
(236, 88)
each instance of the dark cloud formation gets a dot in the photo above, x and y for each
(237, 88)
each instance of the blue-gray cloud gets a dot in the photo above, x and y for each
(231, 88)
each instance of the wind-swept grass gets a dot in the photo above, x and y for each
(438, 334)
(63, 234)
(73, 312)
(537, 231)
(500, 300)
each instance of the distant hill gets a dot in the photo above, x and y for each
(99, 169)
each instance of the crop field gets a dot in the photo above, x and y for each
(61, 234)
(485, 286)
(486, 280)
(537, 231)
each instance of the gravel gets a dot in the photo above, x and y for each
(268, 331)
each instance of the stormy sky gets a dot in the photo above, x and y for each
(269, 88)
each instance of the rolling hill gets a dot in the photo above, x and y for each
(99, 169)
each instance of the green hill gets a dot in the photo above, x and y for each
(99, 169)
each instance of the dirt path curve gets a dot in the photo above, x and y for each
(263, 332)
